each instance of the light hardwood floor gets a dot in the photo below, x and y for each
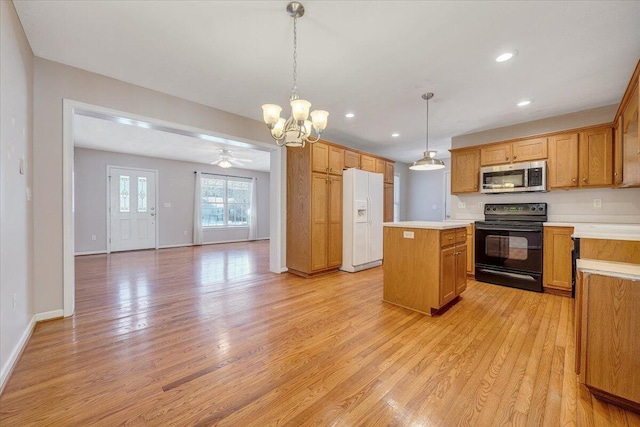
(207, 336)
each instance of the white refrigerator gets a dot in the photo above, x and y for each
(362, 212)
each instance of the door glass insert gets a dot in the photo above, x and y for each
(125, 203)
(142, 194)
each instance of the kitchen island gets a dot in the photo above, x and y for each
(425, 264)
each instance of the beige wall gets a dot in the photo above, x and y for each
(618, 205)
(594, 116)
(54, 82)
(16, 224)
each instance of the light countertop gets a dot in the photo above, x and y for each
(609, 268)
(431, 225)
(601, 231)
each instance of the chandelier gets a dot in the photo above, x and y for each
(296, 130)
(428, 162)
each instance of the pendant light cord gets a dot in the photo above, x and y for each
(294, 88)
(427, 125)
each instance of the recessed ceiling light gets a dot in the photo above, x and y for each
(349, 115)
(524, 103)
(506, 56)
(395, 135)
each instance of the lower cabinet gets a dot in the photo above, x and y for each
(471, 250)
(424, 269)
(608, 338)
(557, 268)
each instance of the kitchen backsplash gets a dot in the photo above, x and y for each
(617, 206)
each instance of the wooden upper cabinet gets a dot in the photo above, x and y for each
(388, 172)
(596, 158)
(617, 152)
(496, 154)
(631, 141)
(327, 158)
(336, 160)
(351, 159)
(563, 161)
(529, 150)
(319, 157)
(465, 171)
(513, 152)
(380, 166)
(367, 163)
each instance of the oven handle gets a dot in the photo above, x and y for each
(502, 228)
(512, 275)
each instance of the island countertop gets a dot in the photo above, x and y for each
(429, 225)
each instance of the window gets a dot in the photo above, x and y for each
(226, 202)
(124, 193)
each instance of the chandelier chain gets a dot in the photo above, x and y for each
(294, 88)
(427, 124)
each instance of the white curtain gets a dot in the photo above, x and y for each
(197, 211)
(253, 214)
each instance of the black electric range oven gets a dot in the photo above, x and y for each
(509, 245)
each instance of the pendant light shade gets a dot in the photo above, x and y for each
(428, 162)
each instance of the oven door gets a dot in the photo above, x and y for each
(509, 254)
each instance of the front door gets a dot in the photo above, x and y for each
(132, 209)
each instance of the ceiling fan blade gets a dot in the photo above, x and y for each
(244, 160)
(236, 162)
(216, 162)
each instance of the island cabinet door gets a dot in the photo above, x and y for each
(448, 275)
(461, 269)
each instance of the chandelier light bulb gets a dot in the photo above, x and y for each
(319, 119)
(300, 109)
(271, 113)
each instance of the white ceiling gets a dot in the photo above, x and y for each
(109, 134)
(374, 58)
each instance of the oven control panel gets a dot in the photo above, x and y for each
(530, 211)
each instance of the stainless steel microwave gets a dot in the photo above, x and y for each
(514, 178)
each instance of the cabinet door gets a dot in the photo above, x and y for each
(631, 142)
(461, 268)
(617, 152)
(471, 264)
(319, 157)
(319, 222)
(465, 171)
(498, 154)
(557, 258)
(351, 159)
(596, 158)
(335, 221)
(380, 166)
(388, 203)
(612, 336)
(367, 163)
(530, 149)
(336, 160)
(563, 161)
(388, 172)
(447, 275)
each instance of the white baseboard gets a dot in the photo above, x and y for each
(90, 253)
(181, 245)
(47, 315)
(15, 354)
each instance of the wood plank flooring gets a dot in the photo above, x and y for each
(207, 336)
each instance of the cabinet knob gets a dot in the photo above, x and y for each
(506, 158)
(515, 157)
(584, 179)
(450, 238)
(573, 180)
(615, 174)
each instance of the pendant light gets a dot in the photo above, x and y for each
(296, 130)
(428, 162)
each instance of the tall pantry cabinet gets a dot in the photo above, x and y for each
(314, 208)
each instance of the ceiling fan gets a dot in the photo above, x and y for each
(227, 160)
